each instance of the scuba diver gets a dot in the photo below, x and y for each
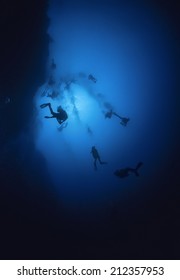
(89, 131)
(92, 78)
(124, 120)
(61, 116)
(122, 173)
(96, 157)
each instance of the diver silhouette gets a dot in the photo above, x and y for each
(92, 78)
(124, 120)
(96, 157)
(122, 173)
(61, 116)
(89, 131)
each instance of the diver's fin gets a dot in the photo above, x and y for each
(139, 165)
(44, 105)
(136, 173)
(137, 168)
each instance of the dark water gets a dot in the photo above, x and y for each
(51, 196)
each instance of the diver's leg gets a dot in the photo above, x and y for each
(51, 110)
(117, 115)
(133, 170)
(95, 165)
(136, 170)
(44, 105)
(100, 161)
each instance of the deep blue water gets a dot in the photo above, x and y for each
(53, 204)
(130, 50)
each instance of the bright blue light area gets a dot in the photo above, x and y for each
(129, 52)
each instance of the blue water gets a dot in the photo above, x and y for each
(129, 49)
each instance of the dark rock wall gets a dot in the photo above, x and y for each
(27, 202)
(23, 52)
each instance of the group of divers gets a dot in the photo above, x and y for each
(61, 116)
